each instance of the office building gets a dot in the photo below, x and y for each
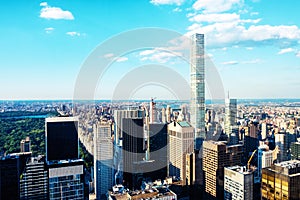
(61, 138)
(197, 104)
(216, 156)
(25, 145)
(103, 160)
(238, 183)
(118, 116)
(34, 179)
(133, 148)
(181, 142)
(230, 115)
(66, 180)
(295, 150)
(158, 146)
(9, 178)
(281, 181)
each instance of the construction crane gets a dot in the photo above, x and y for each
(248, 164)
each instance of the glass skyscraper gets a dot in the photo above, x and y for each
(198, 88)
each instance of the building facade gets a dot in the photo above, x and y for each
(197, 72)
(103, 160)
(281, 181)
(238, 183)
(34, 179)
(181, 142)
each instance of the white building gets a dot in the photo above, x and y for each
(238, 183)
(103, 160)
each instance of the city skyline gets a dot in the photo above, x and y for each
(255, 49)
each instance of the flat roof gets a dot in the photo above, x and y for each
(61, 119)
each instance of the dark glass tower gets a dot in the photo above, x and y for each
(61, 138)
(133, 147)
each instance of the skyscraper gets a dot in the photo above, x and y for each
(238, 183)
(61, 138)
(216, 156)
(281, 181)
(133, 148)
(103, 160)
(230, 114)
(66, 180)
(34, 179)
(198, 88)
(181, 142)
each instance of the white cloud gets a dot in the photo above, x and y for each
(298, 54)
(233, 33)
(287, 50)
(160, 55)
(214, 17)
(255, 61)
(109, 55)
(49, 12)
(121, 59)
(221, 18)
(249, 48)
(233, 62)
(49, 30)
(177, 9)
(44, 4)
(167, 2)
(254, 13)
(215, 6)
(73, 33)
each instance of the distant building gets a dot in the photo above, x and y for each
(181, 142)
(103, 160)
(25, 145)
(281, 181)
(295, 150)
(230, 115)
(66, 180)
(216, 156)
(34, 180)
(238, 183)
(61, 138)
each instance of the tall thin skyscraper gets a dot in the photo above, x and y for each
(103, 160)
(198, 89)
(230, 115)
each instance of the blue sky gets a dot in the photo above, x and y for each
(255, 45)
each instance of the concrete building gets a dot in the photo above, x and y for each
(181, 142)
(25, 145)
(66, 180)
(238, 183)
(103, 160)
(216, 156)
(34, 179)
(281, 181)
(197, 105)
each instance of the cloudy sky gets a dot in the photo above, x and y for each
(254, 44)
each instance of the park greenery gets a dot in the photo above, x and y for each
(15, 129)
